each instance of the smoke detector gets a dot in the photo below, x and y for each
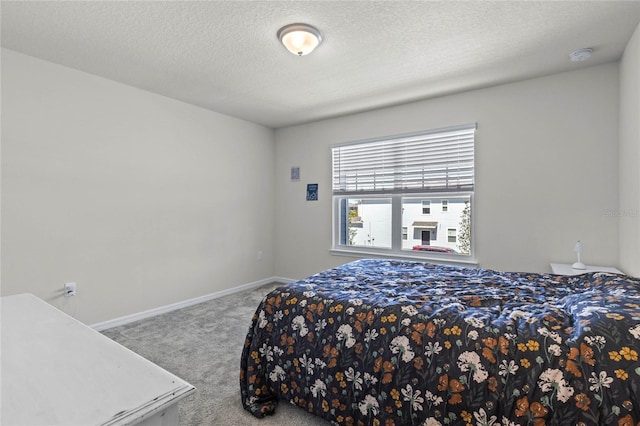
(580, 55)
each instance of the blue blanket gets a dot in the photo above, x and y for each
(389, 342)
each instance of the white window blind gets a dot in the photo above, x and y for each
(435, 160)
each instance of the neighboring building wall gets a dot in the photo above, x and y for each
(450, 219)
(372, 227)
(413, 214)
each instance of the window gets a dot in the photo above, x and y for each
(383, 191)
(426, 207)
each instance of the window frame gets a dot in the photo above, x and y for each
(426, 207)
(455, 235)
(397, 196)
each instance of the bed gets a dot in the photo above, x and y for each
(392, 342)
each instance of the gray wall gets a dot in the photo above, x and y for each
(546, 171)
(142, 200)
(628, 217)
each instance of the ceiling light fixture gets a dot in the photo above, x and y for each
(580, 55)
(299, 39)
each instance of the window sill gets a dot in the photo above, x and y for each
(464, 261)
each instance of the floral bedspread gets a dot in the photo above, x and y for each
(386, 342)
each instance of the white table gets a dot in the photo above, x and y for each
(566, 269)
(57, 371)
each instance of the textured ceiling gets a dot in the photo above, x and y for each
(224, 55)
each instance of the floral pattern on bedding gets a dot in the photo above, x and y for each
(389, 342)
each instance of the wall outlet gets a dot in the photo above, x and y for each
(69, 289)
(259, 254)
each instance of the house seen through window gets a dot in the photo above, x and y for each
(409, 193)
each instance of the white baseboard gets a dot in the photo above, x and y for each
(185, 303)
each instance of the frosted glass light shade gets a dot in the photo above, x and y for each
(299, 39)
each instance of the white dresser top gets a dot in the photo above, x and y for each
(57, 371)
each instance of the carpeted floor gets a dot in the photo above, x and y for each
(202, 344)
